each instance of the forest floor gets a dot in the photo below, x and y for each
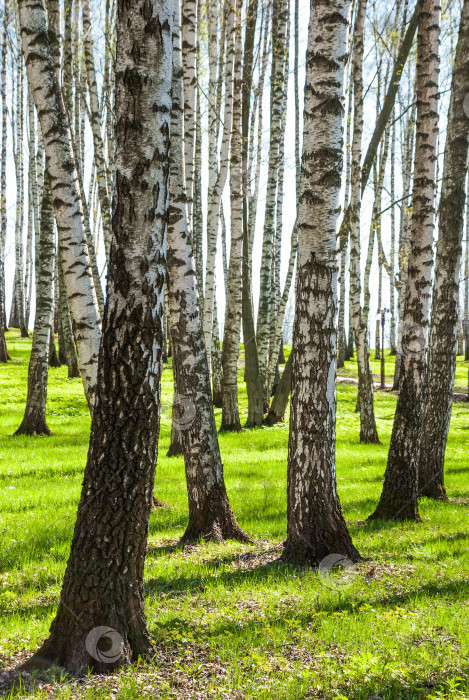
(230, 621)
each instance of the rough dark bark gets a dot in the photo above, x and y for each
(445, 317)
(103, 584)
(398, 499)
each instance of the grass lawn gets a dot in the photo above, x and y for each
(230, 621)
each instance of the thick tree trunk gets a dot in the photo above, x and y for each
(65, 188)
(445, 317)
(34, 421)
(400, 490)
(316, 525)
(102, 594)
(210, 514)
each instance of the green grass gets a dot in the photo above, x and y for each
(231, 621)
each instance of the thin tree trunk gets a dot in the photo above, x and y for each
(95, 121)
(34, 421)
(232, 328)
(392, 252)
(210, 514)
(4, 356)
(217, 177)
(466, 280)
(400, 490)
(344, 243)
(279, 403)
(316, 525)
(445, 317)
(19, 166)
(111, 530)
(64, 179)
(368, 430)
(251, 369)
(277, 82)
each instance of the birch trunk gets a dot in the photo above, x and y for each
(232, 329)
(210, 514)
(368, 430)
(34, 421)
(65, 188)
(445, 317)
(344, 242)
(95, 121)
(466, 280)
(316, 525)
(400, 490)
(279, 403)
(404, 224)
(111, 530)
(392, 252)
(277, 82)
(217, 177)
(251, 369)
(19, 167)
(4, 356)
(189, 61)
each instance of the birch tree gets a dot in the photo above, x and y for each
(232, 328)
(34, 421)
(4, 356)
(316, 525)
(116, 500)
(65, 187)
(368, 430)
(399, 495)
(210, 514)
(445, 316)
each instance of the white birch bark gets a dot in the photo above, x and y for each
(217, 177)
(368, 430)
(95, 122)
(65, 190)
(210, 515)
(315, 523)
(232, 328)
